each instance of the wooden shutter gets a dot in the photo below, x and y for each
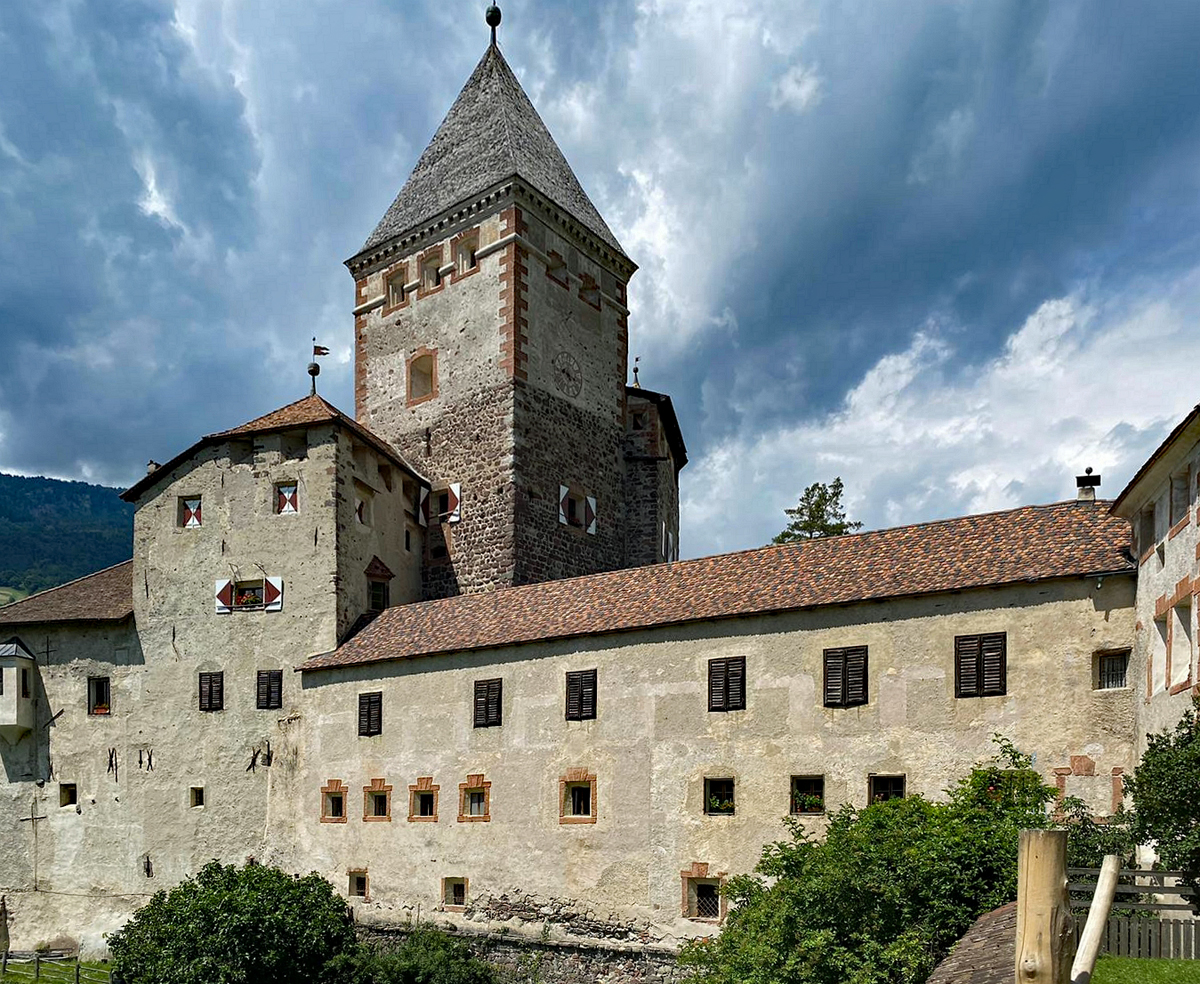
(835, 678)
(589, 515)
(564, 494)
(481, 703)
(205, 692)
(735, 676)
(376, 721)
(966, 666)
(493, 702)
(263, 689)
(718, 680)
(588, 695)
(574, 696)
(993, 659)
(277, 688)
(454, 503)
(423, 507)
(224, 595)
(273, 594)
(370, 714)
(856, 675)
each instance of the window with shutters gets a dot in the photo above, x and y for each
(980, 665)
(488, 703)
(1111, 670)
(718, 797)
(808, 795)
(846, 676)
(377, 802)
(269, 691)
(248, 594)
(423, 800)
(581, 695)
(287, 502)
(333, 802)
(576, 509)
(98, 695)
(727, 684)
(883, 788)
(260, 594)
(474, 799)
(370, 714)
(577, 796)
(188, 512)
(212, 691)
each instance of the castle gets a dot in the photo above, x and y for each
(443, 651)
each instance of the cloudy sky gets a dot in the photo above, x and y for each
(949, 252)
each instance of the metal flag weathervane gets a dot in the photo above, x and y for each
(314, 370)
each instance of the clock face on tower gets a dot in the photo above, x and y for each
(568, 377)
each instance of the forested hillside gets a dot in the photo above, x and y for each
(52, 531)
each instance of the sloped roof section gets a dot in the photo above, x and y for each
(1033, 543)
(491, 133)
(986, 954)
(308, 411)
(106, 596)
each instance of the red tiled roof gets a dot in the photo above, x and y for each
(106, 596)
(1028, 544)
(311, 410)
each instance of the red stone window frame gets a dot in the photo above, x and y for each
(448, 893)
(556, 269)
(424, 784)
(421, 353)
(332, 788)
(572, 778)
(589, 291)
(431, 255)
(698, 873)
(463, 250)
(377, 787)
(400, 271)
(475, 783)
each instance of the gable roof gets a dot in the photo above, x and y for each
(1157, 468)
(106, 596)
(985, 954)
(1033, 543)
(311, 410)
(491, 133)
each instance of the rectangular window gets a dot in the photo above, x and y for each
(580, 799)
(980, 665)
(708, 900)
(454, 892)
(1111, 670)
(379, 804)
(98, 695)
(25, 682)
(248, 594)
(395, 288)
(68, 794)
(270, 689)
(212, 691)
(718, 797)
(808, 794)
(431, 274)
(370, 714)
(1147, 529)
(476, 803)
(846, 676)
(426, 805)
(379, 596)
(335, 806)
(188, 515)
(581, 695)
(488, 703)
(883, 788)
(1180, 495)
(465, 258)
(196, 797)
(727, 684)
(358, 884)
(286, 500)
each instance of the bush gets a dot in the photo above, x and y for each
(231, 925)
(426, 957)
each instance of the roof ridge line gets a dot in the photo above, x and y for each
(65, 584)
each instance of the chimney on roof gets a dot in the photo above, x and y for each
(1087, 483)
(152, 466)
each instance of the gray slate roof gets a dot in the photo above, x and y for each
(491, 133)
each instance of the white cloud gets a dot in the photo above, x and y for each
(1081, 382)
(798, 89)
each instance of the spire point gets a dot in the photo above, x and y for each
(493, 19)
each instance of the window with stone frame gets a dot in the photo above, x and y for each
(188, 512)
(465, 248)
(702, 898)
(333, 802)
(422, 376)
(394, 288)
(98, 690)
(377, 802)
(474, 799)
(577, 797)
(423, 800)
(431, 272)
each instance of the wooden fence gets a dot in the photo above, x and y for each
(53, 967)
(1151, 915)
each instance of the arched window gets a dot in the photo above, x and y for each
(422, 377)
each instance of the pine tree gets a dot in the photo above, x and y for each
(818, 513)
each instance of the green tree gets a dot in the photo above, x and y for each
(233, 925)
(425, 957)
(818, 513)
(1166, 796)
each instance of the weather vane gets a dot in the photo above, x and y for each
(314, 370)
(493, 19)
(636, 360)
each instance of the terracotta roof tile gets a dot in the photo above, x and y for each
(1028, 544)
(106, 596)
(986, 954)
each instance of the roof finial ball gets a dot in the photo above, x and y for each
(314, 370)
(493, 19)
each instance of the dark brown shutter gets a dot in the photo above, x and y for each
(481, 703)
(966, 666)
(856, 675)
(587, 709)
(735, 683)
(277, 688)
(718, 680)
(205, 692)
(493, 702)
(370, 714)
(376, 714)
(263, 689)
(574, 696)
(994, 659)
(218, 691)
(835, 678)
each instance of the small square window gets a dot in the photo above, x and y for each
(425, 805)
(98, 695)
(196, 797)
(1112, 670)
(880, 789)
(358, 885)
(454, 892)
(718, 797)
(380, 593)
(212, 691)
(808, 794)
(379, 804)
(68, 794)
(248, 594)
(286, 499)
(189, 512)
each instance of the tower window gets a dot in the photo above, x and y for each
(431, 274)
(422, 376)
(394, 288)
(196, 797)
(464, 254)
(68, 794)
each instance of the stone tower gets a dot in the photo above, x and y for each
(491, 349)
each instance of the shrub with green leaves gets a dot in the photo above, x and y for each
(426, 957)
(231, 925)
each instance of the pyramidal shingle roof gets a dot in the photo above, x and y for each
(491, 133)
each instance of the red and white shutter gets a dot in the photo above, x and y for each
(589, 515)
(273, 594)
(564, 494)
(453, 512)
(191, 512)
(224, 596)
(423, 508)
(287, 499)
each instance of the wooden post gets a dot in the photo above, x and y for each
(1093, 930)
(1045, 932)
(77, 968)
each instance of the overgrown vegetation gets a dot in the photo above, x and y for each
(426, 957)
(52, 532)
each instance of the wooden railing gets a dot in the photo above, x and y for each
(1133, 929)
